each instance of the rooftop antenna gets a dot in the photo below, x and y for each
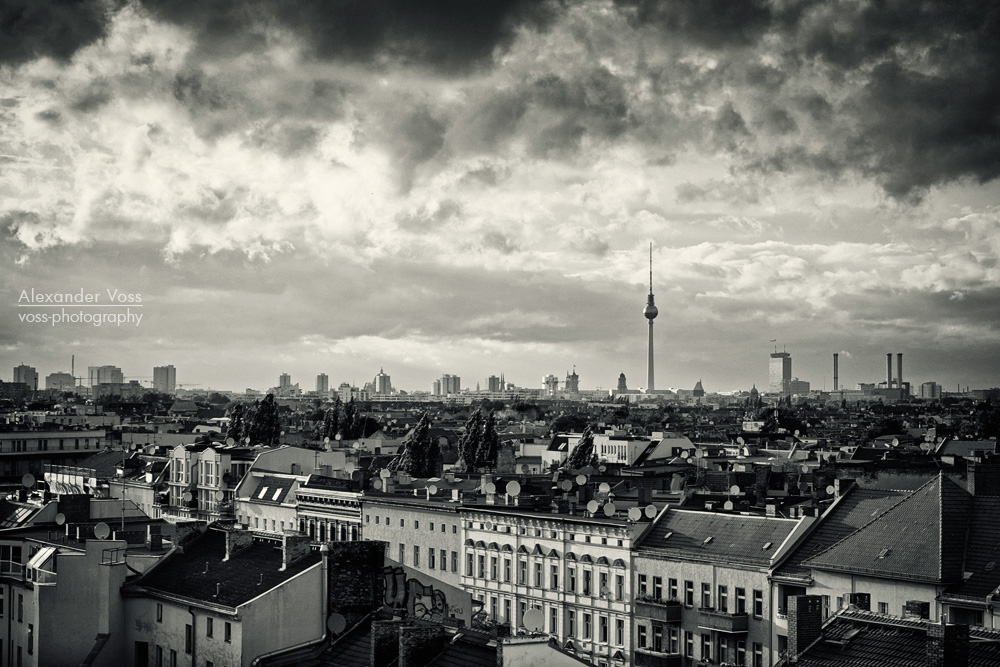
(650, 267)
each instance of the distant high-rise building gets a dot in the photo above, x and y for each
(447, 384)
(779, 373)
(284, 381)
(930, 390)
(797, 386)
(493, 383)
(650, 312)
(164, 379)
(622, 385)
(551, 385)
(60, 381)
(572, 382)
(437, 388)
(699, 391)
(104, 375)
(383, 383)
(26, 374)
(322, 383)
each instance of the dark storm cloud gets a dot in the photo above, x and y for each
(447, 34)
(57, 28)
(712, 23)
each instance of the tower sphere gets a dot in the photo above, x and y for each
(650, 310)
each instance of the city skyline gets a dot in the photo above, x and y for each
(476, 189)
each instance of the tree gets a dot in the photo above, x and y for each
(349, 425)
(331, 422)
(468, 444)
(236, 422)
(583, 454)
(489, 446)
(415, 456)
(265, 428)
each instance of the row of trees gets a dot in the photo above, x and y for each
(479, 445)
(421, 454)
(342, 418)
(258, 421)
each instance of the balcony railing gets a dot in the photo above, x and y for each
(712, 619)
(645, 657)
(665, 611)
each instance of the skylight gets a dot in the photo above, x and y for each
(277, 492)
(767, 545)
(707, 540)
(263, 492)
(884, 553)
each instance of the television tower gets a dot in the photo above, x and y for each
(650, 312)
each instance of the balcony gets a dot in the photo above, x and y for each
(658, 610)
(711, 619)
(645, 657)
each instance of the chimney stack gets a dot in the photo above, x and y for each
(888, 371)
(899, 370)
(805, 623)
(836, 373)
(947, 645)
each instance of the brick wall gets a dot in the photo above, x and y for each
(947, 645)
(418, 643)
(805, 622)
(355, 578)
(385, 642)
(294, 545)
(237, 541)
(861, 600)
(917, 609)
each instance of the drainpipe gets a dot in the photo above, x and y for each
(194, 634)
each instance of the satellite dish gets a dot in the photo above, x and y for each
(102, 531)
(830, 490)
(513, 488)
(230, 442)
(355, 474)
(377, 484)
(926, 446)
(327, 441)
(592, 507)
(566, 485)
(188, 497)
(796, 433)
(602, 468)
(634, 514)
(805, 468)
(605, 590)
(220, 496)
(384, 473)
(337, 437)
(699, 453)
(689, 461)
(336, 624)
(735, 490)
(60, 519)
(581, 480)
(247, 439)
(525, 469)
(609, 509)
(740, 440)
(432, 489)
(604, 488)
(488, 525)
(149, 478)
(895, 442)
(650, 511)
(490, 487)
(28, 480)
(349, 467)
(132, 446)
(282, 433)
(532, 620)
(728, 505)
(803, 488)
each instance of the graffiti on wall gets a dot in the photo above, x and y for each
(412, 598)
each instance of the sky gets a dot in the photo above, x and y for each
(472, 188)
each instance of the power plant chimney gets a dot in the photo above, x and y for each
(888, 371)
(899, 370)
(836, 375)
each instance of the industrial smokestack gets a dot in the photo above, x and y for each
(888, 371)
(836, 376)
(899, 370)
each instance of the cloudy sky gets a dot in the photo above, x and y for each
(472, 187)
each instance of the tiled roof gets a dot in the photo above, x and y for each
(857, 638)
(953, 447)
(243, 577)
(465, 654)
(271, 489)
(707, 535)
(982, 552)
(856, 509)
(915, 540)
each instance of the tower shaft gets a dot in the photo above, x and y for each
(650, 385)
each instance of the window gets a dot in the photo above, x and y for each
(587, 625)
(572, 580)
(602, 585)
(602, 629)
(723, 599)
(741, 600)
(493, 568)
(554, 577)
(494, 609)
(706, 596)
(208, 627)
(689, 593)
(506, 610)
(758, 654)
(538, 575)
(159, 656)
(430, 558)
(444, 560)
(173, 658)
(402, 523)
(657, 587)
(20, 608)
(454, 529)
(506, 570)
(883, 608)
(587, 575)
(672, 639)
(553, 619)
(31, 639)
(672, 588)
(416, 524)
(642, 584)
(187, 638)
(368, 518)
(454, 561)
(432, 526)
(658, 637)
(706, 647)
(758, 603)
(402, 553)
(640, 639)
(481, 562)
(442, 527)
(228, 635)
(619, 632)
(416, 556)
(522, 572)
(571, 623)
(619, 587)
(688, 644)
(741, 652)
(468, 564)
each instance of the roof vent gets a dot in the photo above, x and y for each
(767, 545)
(989, 566)
(669, 533)
(884, 553)
(707, 540)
